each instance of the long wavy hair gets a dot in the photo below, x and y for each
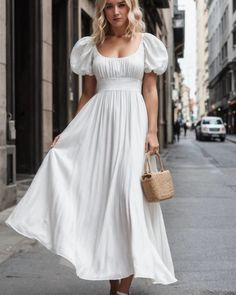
(101, 27)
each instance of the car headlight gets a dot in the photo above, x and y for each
(204, 129)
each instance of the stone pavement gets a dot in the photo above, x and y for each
(10, 241)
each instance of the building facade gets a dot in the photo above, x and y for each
(177, 78)
(202, 80)
(160, 23)
(39, 93)
(166, 120)
(222, 61)
(185, 97)
(177, 111)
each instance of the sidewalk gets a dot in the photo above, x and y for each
(231, 137)
(10, 241)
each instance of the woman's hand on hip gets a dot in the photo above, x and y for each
(151, 142)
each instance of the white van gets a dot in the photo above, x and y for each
(210, 127)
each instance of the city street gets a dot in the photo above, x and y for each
(169, 65)
(200, 223)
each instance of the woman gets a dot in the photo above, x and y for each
(86, 202)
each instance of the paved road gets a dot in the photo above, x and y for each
(200, 223)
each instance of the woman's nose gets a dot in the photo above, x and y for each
(116, 9)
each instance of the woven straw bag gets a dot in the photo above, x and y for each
(157, 186)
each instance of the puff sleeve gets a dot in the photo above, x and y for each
(156, 55)
(81, 57)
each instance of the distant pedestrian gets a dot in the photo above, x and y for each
(177, 130)
(185, 126)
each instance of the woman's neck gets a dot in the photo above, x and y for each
(118, 32)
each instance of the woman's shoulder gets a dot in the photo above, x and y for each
(152, 40)
(85, 41)
(82, 55)
(156, 54)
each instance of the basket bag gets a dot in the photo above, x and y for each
(157, 186)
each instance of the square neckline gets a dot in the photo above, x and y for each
(122, 57)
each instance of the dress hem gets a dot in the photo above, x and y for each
(84, 277)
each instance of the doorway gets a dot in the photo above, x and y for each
(24, 83)
(60, 65)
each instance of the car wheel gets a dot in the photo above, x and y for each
(222, 139)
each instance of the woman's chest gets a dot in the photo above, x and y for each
(111, 67)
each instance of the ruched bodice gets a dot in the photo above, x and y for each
(119, 83)
(131, 66)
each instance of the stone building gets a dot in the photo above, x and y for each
(177, 77)
(222, 61)
(202, 91)
(38, 91)
(177, 99)
(185, 98)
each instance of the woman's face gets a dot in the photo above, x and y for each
(116, 13)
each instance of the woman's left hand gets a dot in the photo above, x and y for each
(151, 143)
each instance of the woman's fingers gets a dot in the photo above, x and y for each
(151, 143)
(55, 140)
(146, 147)
(152, 147)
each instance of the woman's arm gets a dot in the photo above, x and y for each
(151, 100)
(89, 89)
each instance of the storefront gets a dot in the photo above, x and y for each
(232, 117)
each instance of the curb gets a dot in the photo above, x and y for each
(231, 140)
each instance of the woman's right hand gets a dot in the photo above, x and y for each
(55, 140)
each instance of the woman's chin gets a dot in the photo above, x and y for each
(118, 25)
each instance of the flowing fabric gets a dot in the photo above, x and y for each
(85, 202)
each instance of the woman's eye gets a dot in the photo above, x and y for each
(119, 5)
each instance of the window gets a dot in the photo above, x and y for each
(234, 5)
(234, 37)
(224, 51)
(212, 121)
(234, 74)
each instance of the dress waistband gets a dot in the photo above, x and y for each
(119, 84)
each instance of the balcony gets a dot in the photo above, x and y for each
(178, 27)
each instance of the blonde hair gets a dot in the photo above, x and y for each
(101, 27)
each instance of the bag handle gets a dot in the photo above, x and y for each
(147, 163)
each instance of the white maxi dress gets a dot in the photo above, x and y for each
(85, 202)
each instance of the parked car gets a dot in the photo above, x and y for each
(210, 127)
